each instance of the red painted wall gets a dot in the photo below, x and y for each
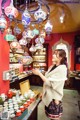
(4, 64)
(68, 37)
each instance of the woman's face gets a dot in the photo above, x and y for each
(56, 59)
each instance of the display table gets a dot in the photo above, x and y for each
(30, 113)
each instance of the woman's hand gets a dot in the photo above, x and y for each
(36, 71)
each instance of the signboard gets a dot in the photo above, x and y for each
(24, 86)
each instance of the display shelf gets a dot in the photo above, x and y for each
(77, 51)
(40, 58)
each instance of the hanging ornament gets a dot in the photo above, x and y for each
(35, 32)
(11, 11)
(37, 40)
(23, 41)
(38, 46)
(41, 39)
(15, 44)
(17, 30)
(42, 33)
(9, 36)
(32, 48)
(26, 60)
(48, 27)
(29, 33)
(26, 19)
(3, 23)
(40, 15)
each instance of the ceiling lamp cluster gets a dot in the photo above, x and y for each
(29, 14)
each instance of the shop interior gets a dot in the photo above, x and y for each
(30, 31)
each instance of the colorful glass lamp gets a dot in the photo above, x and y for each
(9, 36)
(26, 19)
(3, 23)
(11, 11)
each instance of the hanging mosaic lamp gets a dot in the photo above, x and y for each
(41, 39)
(17, 30)
(15, 44)
(29, 33)
(26, 19)
(38, 46)
(48, 27)
(42, 33)
(9, 36)
(37, 40)
(23, 41)
(11, 11)
(35, 32)
(32, 49)
(3, 23)
(26, 60)
(40, 15)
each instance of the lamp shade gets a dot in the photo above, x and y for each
(40, 15)
(9, 37)
(15, 44)
(26, 19)
(3, 23)
(48, 27)
(35, 32)
(32, 48)
(22, 41)
(5, 4)
(11, 12)
(26, 60)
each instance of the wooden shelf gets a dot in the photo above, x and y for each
(40, 57)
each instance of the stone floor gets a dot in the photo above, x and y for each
(71, 107)
(71, 103)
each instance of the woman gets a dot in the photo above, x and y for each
(54, 80)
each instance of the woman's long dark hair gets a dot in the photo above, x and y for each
(62, 54)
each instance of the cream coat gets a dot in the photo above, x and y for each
(53, 87)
